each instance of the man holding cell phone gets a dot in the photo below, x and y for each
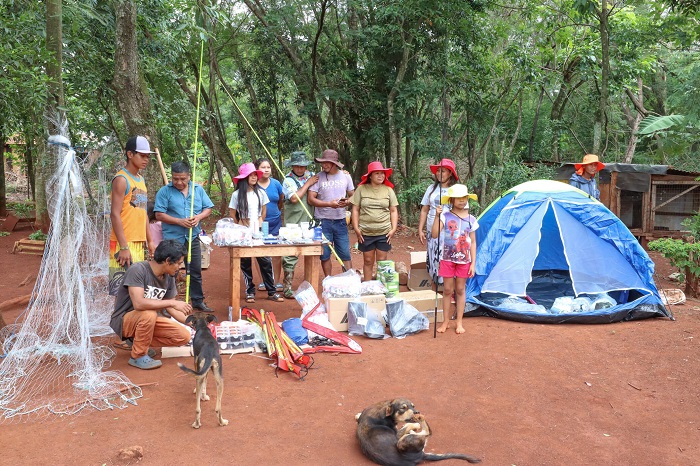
(330, 196)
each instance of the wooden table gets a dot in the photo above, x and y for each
(311, 252)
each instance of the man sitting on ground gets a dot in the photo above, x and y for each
(149, 289)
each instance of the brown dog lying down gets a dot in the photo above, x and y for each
(393, 433)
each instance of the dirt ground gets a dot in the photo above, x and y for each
(510, 393)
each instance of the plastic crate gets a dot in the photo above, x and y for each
(235, 335)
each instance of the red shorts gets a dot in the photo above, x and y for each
(450, 269)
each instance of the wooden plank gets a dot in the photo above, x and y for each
(270, 250)
(12, 221)
(29, 246)
(311, 253)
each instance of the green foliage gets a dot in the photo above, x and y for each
(683, 254)
(654, 124)
(21, 209)
(693, 226)
(38, 236)
(5, 233)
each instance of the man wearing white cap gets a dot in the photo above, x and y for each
(130, 235)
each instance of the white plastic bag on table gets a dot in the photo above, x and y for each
(344, 285)
(229, 233)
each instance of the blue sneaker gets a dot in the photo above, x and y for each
(145, 362)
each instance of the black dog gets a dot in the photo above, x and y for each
(383, 442)
(206, 356)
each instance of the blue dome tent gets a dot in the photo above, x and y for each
(544, 240)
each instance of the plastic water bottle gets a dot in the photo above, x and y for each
(318, 234)
(230, 314)
(265, 229)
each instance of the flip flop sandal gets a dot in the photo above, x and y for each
(279, 287)
(123, 345)
(250, 298)
(276, 298)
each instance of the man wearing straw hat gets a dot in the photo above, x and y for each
(296, 186)
(584, 177)
(330, 198)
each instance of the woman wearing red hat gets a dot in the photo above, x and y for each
(445, 176)
(375, 216)
(584, 178)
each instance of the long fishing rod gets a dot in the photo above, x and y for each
(194, 173)
(270, 157)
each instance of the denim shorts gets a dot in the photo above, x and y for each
(336, 232)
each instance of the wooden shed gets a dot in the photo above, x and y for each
(651, 200)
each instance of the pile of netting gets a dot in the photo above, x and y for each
(57, 354)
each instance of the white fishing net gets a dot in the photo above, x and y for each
(57, 354)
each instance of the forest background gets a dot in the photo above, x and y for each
(509, 90)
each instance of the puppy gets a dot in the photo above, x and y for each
(206, 357)
(384, 443)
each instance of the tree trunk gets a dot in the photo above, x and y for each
(130, 90)
(634, 118)
(535, 122)
(692, 284)
(394, 132)
(600, 124)
(54, 103)
(3, 188)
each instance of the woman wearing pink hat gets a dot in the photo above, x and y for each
(375, 216)
(584, 177)
(445, 176)
(247, 207)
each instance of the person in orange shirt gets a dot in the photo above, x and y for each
(130, 234)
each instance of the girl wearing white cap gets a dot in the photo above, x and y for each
(458, 257)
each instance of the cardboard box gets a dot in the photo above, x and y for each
(337, 309)
(206, 258)
(176, 351)
(418, 277)
(186, 351)
(423, 300)
(431, 315)
(403, 273)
